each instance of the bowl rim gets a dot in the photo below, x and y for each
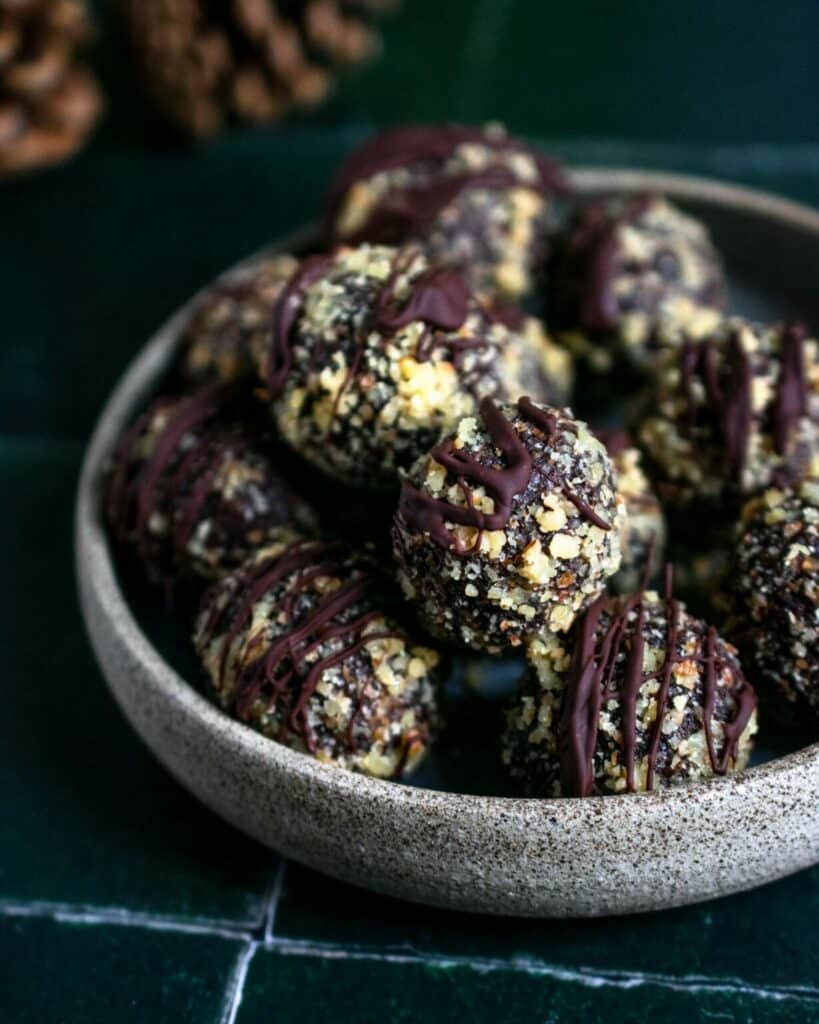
(93, 554)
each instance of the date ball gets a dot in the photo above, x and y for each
(374, 352)
(772, 586)
(642, 535)
(476, 199)
(508, 525)
(297, 644)
(629, 276)
(232, 321)
(189, 495)
(733, 413)
(639, 696)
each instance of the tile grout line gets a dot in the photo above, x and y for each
(69, 913)
(236, 984)
(274, 901)
(613, 979)
(83, 915)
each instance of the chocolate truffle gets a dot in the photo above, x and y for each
(374, 352)
(733, 413)
(628, 276)
(475, 198)
(640, 696)
(508, 525)
(297, 644)
(642, 535)
(232, 320)
(189, 494)
(772, 584)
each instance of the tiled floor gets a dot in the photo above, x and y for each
(402, 964)
(57, 970)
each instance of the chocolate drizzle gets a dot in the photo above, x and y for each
(135, 498)
(585, 267)
(158, 498)
(725, 376)
(285, 673)
(616, 440)
(726, 414)
(597, 652)
(192, 483)
(408, 211)
(424, 514)
(791, 402)
(286, 312)
(437, 298)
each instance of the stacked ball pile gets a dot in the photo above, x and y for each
(406, 363)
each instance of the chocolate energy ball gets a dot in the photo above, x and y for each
(772, 585)
(642, 535)
(190, 495)
(297, 644)
(640, 696)
(476, 199)
(232, 320)
(628, 276)
(374, 352)
(509, 525)
(732, 414)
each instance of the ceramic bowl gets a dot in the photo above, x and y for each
(490, 854)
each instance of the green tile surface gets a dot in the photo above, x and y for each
(90, 817)
(301, 990)
(121, 898)
(762, 939)
(67, 973)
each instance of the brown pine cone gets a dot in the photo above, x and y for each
(205, 63)
(48, 102)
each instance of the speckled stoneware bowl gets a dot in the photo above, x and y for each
(482, 853)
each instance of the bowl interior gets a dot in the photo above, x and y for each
(769, 255)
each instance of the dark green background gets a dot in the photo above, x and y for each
(120, 898)
(718, 71)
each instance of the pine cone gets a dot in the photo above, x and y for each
(48, 102)
(206, 62)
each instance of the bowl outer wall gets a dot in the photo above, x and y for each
(539, 858)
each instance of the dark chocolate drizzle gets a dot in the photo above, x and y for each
(281, 674)
(438, 298)
(424, 514)
(726, 378)
(726, 414)
(416, 143)
(178, 482)
(512, 317)
(134, 497)
(791, 401)
(593, 663)
(407, 212)
(286, 312)
(616, 440)
(585, 267)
